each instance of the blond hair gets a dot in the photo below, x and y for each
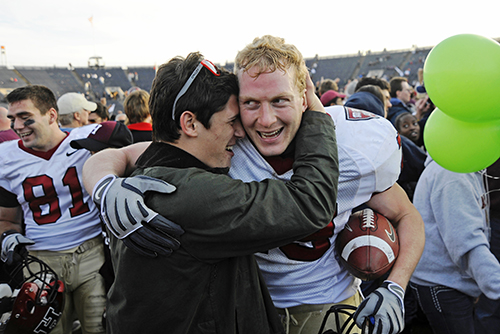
(268, 54)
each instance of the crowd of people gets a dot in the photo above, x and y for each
(212, 203)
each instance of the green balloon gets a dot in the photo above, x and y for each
(459, 146)
(462, 77)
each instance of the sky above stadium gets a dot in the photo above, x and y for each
(136, 33)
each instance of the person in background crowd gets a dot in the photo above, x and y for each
(326, 85)
(6, 133)
(74, 111)
(122, 118)
(457, 265)
(487, 311)
(99, 115)
(332, 98)
(401, 93)
(139, 119)
(407, 125)
(382, 84)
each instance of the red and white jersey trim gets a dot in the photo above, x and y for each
(59, 214)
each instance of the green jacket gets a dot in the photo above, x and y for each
(213, 284)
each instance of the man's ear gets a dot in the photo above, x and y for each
(304, 101)
(189, 124)
(77, 116)
(52, 115)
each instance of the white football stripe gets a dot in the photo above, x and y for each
(366, 240)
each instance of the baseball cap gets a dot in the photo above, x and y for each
(105, 135)
(73, 102)
(421, 89)
(329, 95)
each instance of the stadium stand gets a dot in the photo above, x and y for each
(385, 61)
(41, 76)
(343, 67)
(9, 80)
(99, 79)
(416, 61)
(66, 79)
(142, 77)
(113, 82)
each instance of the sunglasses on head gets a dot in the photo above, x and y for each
(204, 63)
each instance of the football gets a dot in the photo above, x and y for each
(368, 245)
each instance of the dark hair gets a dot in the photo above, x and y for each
(326, 85)
(397, 119)
(42, 97)
(396, 84)
(375, 90)
(382, 83)
(136, 106)
(101, 111)
(207, 95)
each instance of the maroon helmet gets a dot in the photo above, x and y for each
(40, 301)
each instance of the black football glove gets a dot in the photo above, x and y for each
(384, 307)
(14, 247)
(123, 211)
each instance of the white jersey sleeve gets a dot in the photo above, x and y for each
(309, 271)
(58, 212)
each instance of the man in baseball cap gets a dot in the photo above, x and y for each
(74, 110)
(332, 98)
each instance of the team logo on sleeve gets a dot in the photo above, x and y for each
(352, 114)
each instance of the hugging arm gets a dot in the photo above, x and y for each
(121, 201)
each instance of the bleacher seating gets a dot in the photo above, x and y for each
(416, 61)
(66, 79)
(9, 79)
(144, 77)
(386, 61)
(332, 68)
(59, 80)
(95, 82)
(99, 79)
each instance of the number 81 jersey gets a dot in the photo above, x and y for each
(58, 212)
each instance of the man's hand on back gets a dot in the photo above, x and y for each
(126, 215)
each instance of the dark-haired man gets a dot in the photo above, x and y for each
(401, 92)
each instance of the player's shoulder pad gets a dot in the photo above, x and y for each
(357, 124)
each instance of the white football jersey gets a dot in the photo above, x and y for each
(58, 212)
(309, 271)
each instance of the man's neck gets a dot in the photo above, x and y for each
(280, 165)
(55, 140)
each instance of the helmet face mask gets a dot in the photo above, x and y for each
(344, 322)
(39, 301)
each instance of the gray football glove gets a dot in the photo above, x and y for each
(123, 211)
(14, 247)
(384, 307)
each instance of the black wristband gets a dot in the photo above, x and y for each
(6, 233)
